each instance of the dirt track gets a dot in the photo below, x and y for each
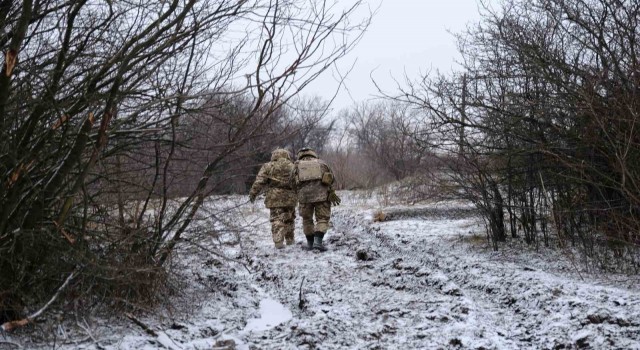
(423, 286)
(425, 279)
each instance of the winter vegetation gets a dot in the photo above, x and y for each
(495, 207)
(119, 118)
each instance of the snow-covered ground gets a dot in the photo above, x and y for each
(424, 279)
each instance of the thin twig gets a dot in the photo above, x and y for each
(557, 227)
(8, 326)
(198, 245)
(87, 329)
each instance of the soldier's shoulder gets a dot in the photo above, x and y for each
(267, 166)
(284, 164)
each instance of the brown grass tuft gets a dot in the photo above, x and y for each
(379, 216)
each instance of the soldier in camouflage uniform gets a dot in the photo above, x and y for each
(314, 182)
(276, 177)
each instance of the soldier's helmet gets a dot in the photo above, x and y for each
(306, 152)
(280, 153)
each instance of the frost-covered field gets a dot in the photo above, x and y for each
(424, 279)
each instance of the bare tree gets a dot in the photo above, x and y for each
(308, 125)
(95, 102)
(383, 133)
(547, 109)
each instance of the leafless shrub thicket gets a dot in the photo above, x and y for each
(540, 128)
(103, 104)
(307, 125)
(377, 146)
(382, 132)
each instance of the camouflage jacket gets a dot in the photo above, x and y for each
(276, 178)
(313, 179)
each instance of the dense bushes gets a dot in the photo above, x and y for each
(543, 122)
(100, 104)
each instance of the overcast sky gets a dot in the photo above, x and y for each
(405, 36)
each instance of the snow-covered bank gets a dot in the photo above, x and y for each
(418, 281)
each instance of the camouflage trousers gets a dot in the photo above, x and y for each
(322, 211)
(282, 224)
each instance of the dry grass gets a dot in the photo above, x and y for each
(475, 239)
(379, 216)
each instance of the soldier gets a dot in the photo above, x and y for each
(314, 183)
(281, 199)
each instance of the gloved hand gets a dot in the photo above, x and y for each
(252, 197)
(333, 198)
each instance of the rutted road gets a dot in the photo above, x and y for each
(415, 282)
(421, 280)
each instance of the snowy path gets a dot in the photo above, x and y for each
(423, 280)
(425, 287)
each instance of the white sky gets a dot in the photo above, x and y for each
(409, 36)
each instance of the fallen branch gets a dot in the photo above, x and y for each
(11, 343)
(11, 325)
(141, 324)
(161, 337)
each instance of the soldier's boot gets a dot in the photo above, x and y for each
(309, 245)
(317, 241)
(279, 245)
(290, 241)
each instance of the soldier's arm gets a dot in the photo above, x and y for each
(261, 181)
(327, 169)
(332, 197)
(293, 179)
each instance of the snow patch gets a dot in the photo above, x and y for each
(272, 313)
(164, 339)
